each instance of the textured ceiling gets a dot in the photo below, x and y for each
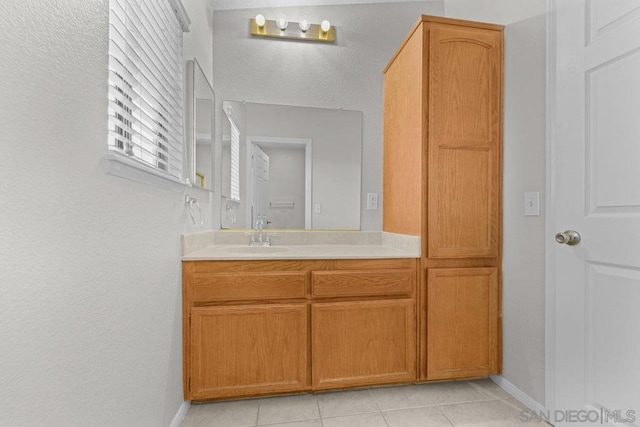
(250, 4)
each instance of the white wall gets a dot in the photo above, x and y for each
(524, 170)
(197, 42)
(503, 12)
(90, 299)
(345, 75)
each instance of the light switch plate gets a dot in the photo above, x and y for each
(372, 201)
(532, 203)
(317, 208)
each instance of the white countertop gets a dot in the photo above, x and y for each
(225, 245)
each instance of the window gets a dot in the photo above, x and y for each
(145, 84)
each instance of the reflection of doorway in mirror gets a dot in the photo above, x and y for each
(287, 196)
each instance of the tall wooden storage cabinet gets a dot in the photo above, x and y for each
(442, 181)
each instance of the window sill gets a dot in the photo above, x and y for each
(124, 167)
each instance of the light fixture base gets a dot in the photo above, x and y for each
(293, 32)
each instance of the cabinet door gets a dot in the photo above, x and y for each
(464, 159)
(463, 319)
(363, 342)
(245, 350)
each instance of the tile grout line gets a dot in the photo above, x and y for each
(319, 411)
(258, 412)
(350, 415)
(384, 418)
(482, 391)
(488, 399)
(445, 417)
(374, 399)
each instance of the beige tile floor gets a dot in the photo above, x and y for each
(458, 403)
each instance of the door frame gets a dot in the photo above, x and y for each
(550, 206)
(271, 141)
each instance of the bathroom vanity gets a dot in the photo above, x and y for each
(288, 318)
(419, 301)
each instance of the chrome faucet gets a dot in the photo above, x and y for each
(258, 238)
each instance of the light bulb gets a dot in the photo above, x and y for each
(325, 26)
(304, 25)
(260, 21)
(282, 22)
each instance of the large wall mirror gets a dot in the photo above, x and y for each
(293, 167)
(199, 117)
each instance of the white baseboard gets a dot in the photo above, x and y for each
(520, 395)
(182, 412)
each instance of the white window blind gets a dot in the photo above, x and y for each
(145, 83)
(235, 161)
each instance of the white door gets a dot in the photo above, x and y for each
(260, 196)
(595, 175)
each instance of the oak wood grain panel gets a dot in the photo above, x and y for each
(421, 314)
(402, 166)
(246, 350)
(362, 283)
(424, 158)
(187, 276)
(463, 204)
(279, 265)
(361, 343)
(462, 23)
(464, 155)
(463, 322)
(439, 19)
(249, 286)
(460, 262)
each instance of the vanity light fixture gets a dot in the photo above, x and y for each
(303, 30)
(282, 22)
(304, 25)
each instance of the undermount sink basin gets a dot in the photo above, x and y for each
(256, 250)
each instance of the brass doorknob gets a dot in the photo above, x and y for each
(569, 237)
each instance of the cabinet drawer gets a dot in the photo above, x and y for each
(362, 283)
(249, 286)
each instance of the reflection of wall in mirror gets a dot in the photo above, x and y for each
(204, 146)
(337, 153)
(199, 129)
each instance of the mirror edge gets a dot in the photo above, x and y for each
(190, 100)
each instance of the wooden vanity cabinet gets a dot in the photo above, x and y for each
(463, 324)
(248, 349)
(369, 338)
(268, 327)
(245, 331)
(442, 181)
